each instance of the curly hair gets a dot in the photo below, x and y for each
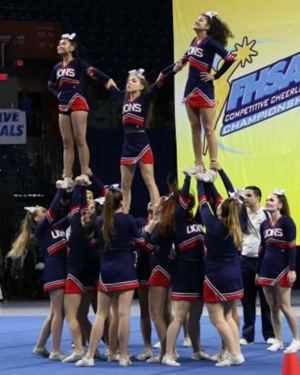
(218, 30)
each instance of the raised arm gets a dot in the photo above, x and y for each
(52, 211)
(77, 207)
(206, 215)
(165, 74)
(97, 187)
(184, 192)
(227, 183)
(213, 196)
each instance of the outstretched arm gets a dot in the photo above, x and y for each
(165, 74)
(206, 215)
(184, 192)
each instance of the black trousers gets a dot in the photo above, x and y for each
(249, 270)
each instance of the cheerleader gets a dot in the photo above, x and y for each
(65, 84)
(277, 257)
(188, 274)
(223, 282)
(81, 220)
(159, 236)
(211, 37)
(143, 274)
(51, 239)
(115, 233)
(136, 148)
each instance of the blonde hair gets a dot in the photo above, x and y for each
(231, 213)
(89, 192)
(112, 202)
(19, 246)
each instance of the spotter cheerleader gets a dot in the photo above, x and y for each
(116, 234)
(223, 282)
(277, 267)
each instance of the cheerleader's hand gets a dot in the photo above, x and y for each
(150, 226)
(110, 83)
(291, 276)
(60, 184)
(206, 77)
(186, 172)
(256, 279)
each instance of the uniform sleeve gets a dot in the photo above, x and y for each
(76, 207)
(97, 187)
(52, 83)
(226, 55)
(206, 215)
(181, 207)
(213, 196)
(227, 183)
(161, 79)
(290, 233)
(94, 73)
(185, 58)
(137, 238)
(119, 95)
(52, 211)
(63, 224)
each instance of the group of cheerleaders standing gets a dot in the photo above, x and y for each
(193, 256)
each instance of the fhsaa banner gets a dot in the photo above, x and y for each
(258, 98)
(12, 126)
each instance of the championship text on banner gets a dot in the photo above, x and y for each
(12, 126)
(257, 99)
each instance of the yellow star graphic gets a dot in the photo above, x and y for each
(245, 51)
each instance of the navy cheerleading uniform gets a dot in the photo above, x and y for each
(117, 266)
(200, 57)
(188, 273)
(51, 238)
(136, 145)
(78, 245)
(142, 267)
(223, 281)
(159, 260)
(65, 84)
(277, 252)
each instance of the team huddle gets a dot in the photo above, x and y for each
(96, 253)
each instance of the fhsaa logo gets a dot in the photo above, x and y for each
(260, 95)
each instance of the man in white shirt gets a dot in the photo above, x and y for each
(249, 265)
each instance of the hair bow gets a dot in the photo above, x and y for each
(138, 72)
(113, 187)
(68, 36)
(234, 195)
(167, 197)
(211, 14)
(31, 209)
(240, 191)
(100, 200)
(278, 191)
